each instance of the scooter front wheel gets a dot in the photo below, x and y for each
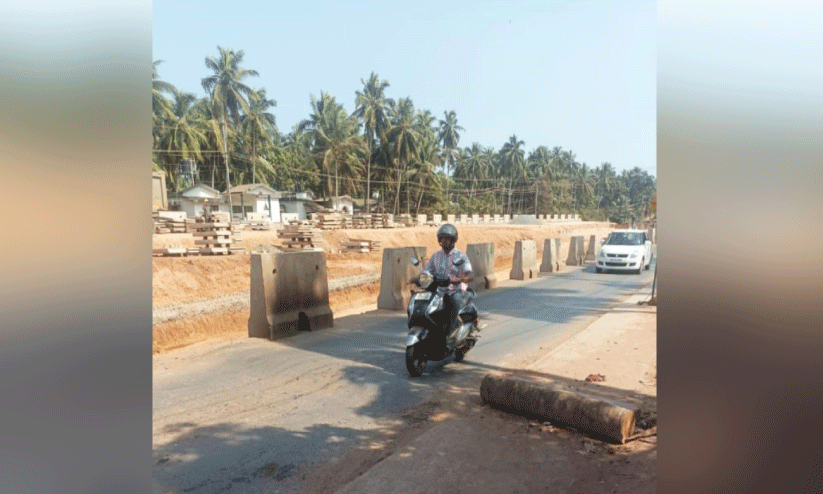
(414, 364)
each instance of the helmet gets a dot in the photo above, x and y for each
(448, 230)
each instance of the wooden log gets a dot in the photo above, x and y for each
(575, 409)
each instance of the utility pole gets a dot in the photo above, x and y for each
(226, 159)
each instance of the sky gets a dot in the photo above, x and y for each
(578, 74)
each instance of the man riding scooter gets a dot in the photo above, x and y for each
(442, 262)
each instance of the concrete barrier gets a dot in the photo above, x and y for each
(524, 263)
(289, 292)
(533, 398)
(396, 273)
(481, 256)
(450, 218)
(551, 256)
(437, 219)
(592, 249)
(421, 219)
(487, 218)
(463, 218)
(576, 253)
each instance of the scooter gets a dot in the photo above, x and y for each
(432, 335)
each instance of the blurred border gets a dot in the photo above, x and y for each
(740, 145)
(75, 295)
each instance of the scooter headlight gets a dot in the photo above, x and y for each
(426, 279)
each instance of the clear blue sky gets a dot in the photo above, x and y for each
(579, 74)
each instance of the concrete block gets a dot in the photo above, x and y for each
(289, 292)
(524, 263)
(592, 249)
(421, 219)
(652, 232)
(396, 273)
(464, 218)
(487, 218)
(437, 219)
(450, 218)
(482, 258)
(576, 252)
(551, 256)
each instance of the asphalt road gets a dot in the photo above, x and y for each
(232, 416)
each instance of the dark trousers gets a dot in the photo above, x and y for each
(453, 303)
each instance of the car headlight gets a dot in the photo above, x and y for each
(426, 279)
(634, 255)
(602, 253)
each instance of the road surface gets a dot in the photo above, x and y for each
(252, 415)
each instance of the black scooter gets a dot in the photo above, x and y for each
(432, 335)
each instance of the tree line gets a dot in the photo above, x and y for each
(406, 159)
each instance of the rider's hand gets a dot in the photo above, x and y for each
(455, 280)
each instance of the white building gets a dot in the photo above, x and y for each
(299, 203)
(192, 200)
(256, 198)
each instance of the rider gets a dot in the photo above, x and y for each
(441, 264)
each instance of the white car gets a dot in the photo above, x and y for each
(625, 250)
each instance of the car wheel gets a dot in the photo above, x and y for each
(598, 269)
(414, 364)
(649, 265)
(640, 268)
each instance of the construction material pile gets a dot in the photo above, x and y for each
(301, 235)
(171, 222)
(359, 245)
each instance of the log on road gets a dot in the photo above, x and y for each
(536, 398)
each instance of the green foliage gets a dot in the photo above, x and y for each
(386, 147)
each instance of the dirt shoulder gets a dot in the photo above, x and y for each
(459, 444)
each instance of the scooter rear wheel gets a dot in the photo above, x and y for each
(414, 364)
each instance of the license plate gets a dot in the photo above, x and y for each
(423, 295)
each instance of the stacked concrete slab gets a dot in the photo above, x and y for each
(289, 292)
(397, 270)
(481, 257)
(524, 263)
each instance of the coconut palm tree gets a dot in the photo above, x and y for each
(402, 141)
(512, 161)
(337, 145)
(371, 109)
(182, 134)
(422, 168)
(161, 106)
(258, 127)
(228, 93)
(449, 136)
(540, 167)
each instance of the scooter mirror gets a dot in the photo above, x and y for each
(415, 261)
(459, 262)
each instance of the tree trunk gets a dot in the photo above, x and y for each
(397, 197)
(532, 397)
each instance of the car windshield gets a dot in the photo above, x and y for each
(625, 238)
